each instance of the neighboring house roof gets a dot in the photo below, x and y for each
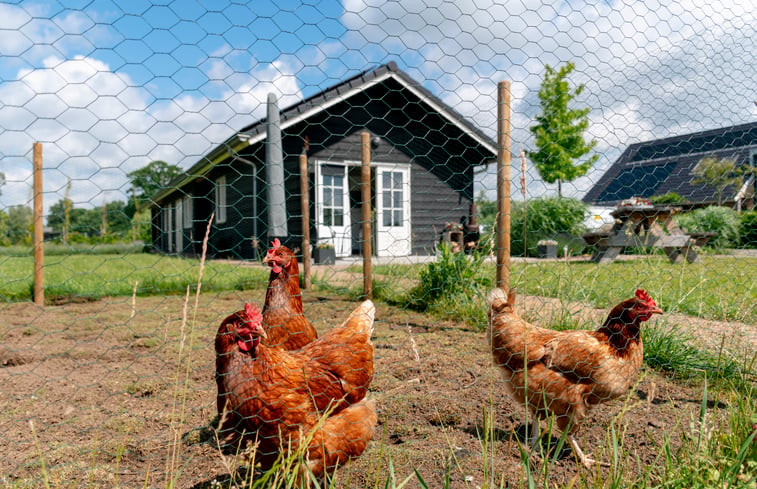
(665, 165)
(436, 132)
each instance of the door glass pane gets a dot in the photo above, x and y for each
(386, 217)
(333, 196)
(397, 200)
(338, 197)
(397, 180)
(386, 180)
(398, 217)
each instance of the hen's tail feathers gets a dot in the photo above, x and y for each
(342, 437)
(361, 319)
(498, 300)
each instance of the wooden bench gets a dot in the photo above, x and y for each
(702, 238)
(594, 237)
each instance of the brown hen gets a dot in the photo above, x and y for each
(280, 398)
(567, 373)
(283, 317)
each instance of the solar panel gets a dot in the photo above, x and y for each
(637, 181)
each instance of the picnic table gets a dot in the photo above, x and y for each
(646, 226)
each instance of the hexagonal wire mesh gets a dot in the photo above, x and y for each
(632, 142)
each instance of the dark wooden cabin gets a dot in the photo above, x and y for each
(423, 155)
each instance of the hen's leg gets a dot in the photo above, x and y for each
(586, 461)
(535, 433)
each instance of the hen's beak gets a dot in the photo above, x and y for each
(257, 330)
(655, 310)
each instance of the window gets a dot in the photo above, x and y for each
(168, 215)
(187, 212)
(391, 183)
(220, 196)
(333, 200)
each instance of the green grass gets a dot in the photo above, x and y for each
(52, 249)
(94, 276)
(719, 288)
(707, 455)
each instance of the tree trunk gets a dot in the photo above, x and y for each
(559, 187)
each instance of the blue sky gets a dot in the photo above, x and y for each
(108, 86)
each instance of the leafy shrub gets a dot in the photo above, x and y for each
(668, 198)
(555, 218)
(451, 282)
(721, 220)
(749, 229)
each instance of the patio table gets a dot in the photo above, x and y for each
(646, 226)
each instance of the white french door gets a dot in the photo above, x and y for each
(393, 210)
(332, 207)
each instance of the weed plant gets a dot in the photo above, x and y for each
(721, 220)
(453, 284)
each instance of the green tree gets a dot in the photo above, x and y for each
(151, 178)
(4, 240)
(718, 173)
(145, 183)
(559, 131)
(119, 223)
(486, 210)
(2, 182)
(20, 224)
(58, 217)
(86, 222)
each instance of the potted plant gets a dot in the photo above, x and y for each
(546, 248)
(324, 253)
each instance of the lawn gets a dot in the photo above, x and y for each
(82, 276)
(722, 288)
(120, 391)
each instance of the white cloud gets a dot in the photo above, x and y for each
(651, 69)
(97, 126)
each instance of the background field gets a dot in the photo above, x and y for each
(120, 389)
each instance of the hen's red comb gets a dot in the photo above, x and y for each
(642, 295)
(252, 312)
(276, 243)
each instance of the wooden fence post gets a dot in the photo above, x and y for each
(305, 204)
(503, 185)
(365, 140)
(38, 233)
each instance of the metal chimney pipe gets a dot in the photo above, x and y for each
(274, 159)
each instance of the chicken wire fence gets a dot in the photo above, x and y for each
(173, 137)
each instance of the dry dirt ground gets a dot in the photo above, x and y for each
(115, 393)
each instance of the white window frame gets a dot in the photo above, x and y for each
(397, 214)
(393, 240)
(330, 211)
(220, 198)
(187, 212)
(169, 227)
(178, 220)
